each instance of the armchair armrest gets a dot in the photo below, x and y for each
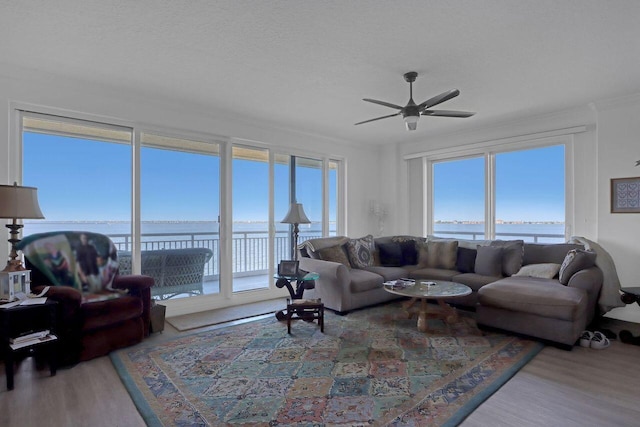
(135, 283)
(138, 286)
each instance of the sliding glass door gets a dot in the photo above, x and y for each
(180, 206)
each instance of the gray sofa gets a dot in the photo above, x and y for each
(506, 294)
(175, 271)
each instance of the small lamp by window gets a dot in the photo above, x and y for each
(295, 216)
(16, 203)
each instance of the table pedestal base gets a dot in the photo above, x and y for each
(443, 310)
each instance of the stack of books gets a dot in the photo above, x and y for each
(31, 339)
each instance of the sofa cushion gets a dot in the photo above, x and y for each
(362, 280)
(512, 255)
(541, 297)
(313, 246)
(334, 254)
(547, 270)
(473, 280)
(438, 254)
(390, 254)
(433, 273)
(360, 251)
(574, 261)
(409, 252)
(466, 260)
(489, 261)
(388, 273)
(536, 253)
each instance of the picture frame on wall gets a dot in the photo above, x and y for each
(288, 268)
(625, 195)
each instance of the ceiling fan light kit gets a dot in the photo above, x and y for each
(411, 112)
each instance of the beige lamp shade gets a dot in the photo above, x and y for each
(296, 215)
(19, 202)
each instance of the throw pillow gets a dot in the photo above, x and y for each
(442, 254)
(409, 252)
(544, 271)
(512, 254)
(466, 261)
(390, 254)
(335, 254)
(574, 261)
(360, 251)
(489, 261)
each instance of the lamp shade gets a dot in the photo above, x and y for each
(296, 215)
(18, 202)
(411, 122)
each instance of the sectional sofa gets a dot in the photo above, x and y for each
(548, 291)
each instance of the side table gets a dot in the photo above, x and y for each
(630, 295)
(302, 282)
(305, 309)
(26, 319)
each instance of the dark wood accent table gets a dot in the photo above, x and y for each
(21, 320)
(302, 282)
(305, 309)
(630, 295)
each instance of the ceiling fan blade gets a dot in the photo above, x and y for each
(447, 113)
(378, 118)
(438, 99)
(386, 104)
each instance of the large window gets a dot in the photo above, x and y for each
(157, 190)
(518, 194)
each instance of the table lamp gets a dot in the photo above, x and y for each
(17, 202)
(295, 216)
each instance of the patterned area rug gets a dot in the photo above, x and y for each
(371, 367)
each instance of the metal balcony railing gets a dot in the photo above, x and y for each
(250, 249)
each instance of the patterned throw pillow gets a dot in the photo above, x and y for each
(360, 251)
(440, 254)
(576, 260)
(335, 254)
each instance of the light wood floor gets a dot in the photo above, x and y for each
(582, 387)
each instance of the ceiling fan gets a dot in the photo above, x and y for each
(412, 111)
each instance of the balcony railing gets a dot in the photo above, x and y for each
(527, 237)
(250, 249)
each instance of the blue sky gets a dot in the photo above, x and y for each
(529, 187)
(90, 180)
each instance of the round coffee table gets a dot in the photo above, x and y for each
(424, 290)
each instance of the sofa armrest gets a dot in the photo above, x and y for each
(332, 285)
(589, 280)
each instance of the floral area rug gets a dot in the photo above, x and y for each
(370, 367)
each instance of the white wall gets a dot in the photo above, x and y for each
(618, 151)
(21, 86)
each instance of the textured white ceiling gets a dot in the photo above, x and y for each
(306, 65)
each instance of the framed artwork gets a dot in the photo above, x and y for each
(625, 195)
(288, 268)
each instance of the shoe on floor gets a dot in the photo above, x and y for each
(585, 339)
(599, 341)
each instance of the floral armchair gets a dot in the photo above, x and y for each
(98, 310)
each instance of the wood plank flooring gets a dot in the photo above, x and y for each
(583, 387)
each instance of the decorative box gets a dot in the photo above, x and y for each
(13, 283)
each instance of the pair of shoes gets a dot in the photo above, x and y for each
(596, 340)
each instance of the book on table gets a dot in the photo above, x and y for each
(33, 338)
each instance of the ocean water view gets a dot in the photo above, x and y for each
(158, 230)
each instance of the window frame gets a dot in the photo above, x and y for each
(489, 150)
